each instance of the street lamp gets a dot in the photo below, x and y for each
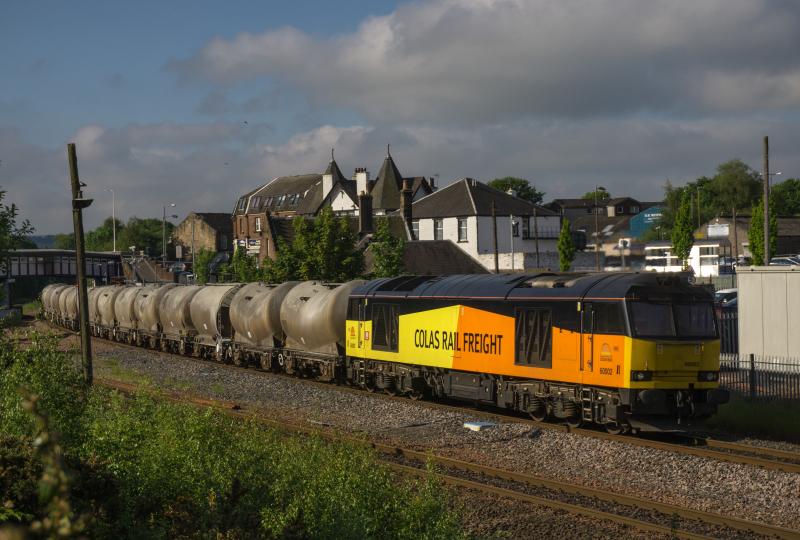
(113, 218)
(596, 227)
(164, 232)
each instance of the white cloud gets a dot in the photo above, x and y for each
(483, 61)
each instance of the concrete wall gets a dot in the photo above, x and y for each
(769, 310)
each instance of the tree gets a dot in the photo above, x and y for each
(756, 232)
(11, 233)
(243, 267)
(102, 238)
(566, 247)
(145, 235)
(388, 251)
(737, 186)
(786, 197)
(202, 260)
(602, 195)
(64, 241)
(522, 187)
(683, 231)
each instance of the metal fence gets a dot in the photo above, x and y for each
(728, 320)
(723, 281)
(761, 377)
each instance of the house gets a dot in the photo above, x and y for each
(263, 215)
(707, 258)
(212, 231)
(462, 212)
(722, 228)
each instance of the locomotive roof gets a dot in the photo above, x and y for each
(576, 285)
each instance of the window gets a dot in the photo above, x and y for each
(438, 229)
(415, 228)
(268, 201)
(258, 224)
(695, 320)
(384, 327)
(634, 209)
(241, 225)
(515, 226)
(620, 209)
(254, 202)
(533, 334)
(242, 202)
(608, 318)
(526, 227)
(462, 229)
(280, 200)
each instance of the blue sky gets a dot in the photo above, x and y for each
(196, 102)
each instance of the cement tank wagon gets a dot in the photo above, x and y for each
(106, 301)
(68, 305)
(50, 296)
(147, 304)
(173, 313)
(210, 314)
(93, 294)
(313, 316)
(124, 312)
(256, 314)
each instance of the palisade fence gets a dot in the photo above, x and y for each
(760, 377)
(728, 321)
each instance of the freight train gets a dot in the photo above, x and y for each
(628, 351)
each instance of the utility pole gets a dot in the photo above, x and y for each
(766, 200)
(511, 236)
(596, 233)
(699, 224)
(494, 236)
(78, 204)
(193, 268)
(536, 235)
(113, 219)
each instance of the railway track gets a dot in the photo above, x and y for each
(700, 446)
(643, 514)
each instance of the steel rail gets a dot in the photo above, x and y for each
(766, 458)
(530, 480)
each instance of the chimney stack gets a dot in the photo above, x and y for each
(362, 179)
(364, 213)
(405, 202)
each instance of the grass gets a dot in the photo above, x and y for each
(148, 468)
(31, 309)
(779, 419)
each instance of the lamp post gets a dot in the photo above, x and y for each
(164, 232)
(113, 218)
(596, 232)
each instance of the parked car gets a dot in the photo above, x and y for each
(724, 296)
(784, 261)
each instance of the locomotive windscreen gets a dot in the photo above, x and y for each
(677, 318)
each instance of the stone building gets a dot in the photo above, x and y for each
(204, 230)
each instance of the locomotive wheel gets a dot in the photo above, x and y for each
(617, 429)
(575, 421)
(416, 395)
(539, 414)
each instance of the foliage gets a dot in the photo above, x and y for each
(566, 247)
(786, 196)
(64, 241)
(323, 249)
(522, 187)
(102, 238)
(12, 234)
(388, 251)
(602, 195)
(736, 185)
(243, 268)
(683, 231)
(202, 260)
(756, 232)
(154, 469)
(754, 418)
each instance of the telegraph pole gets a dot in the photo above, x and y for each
(766, 200)
(494, 236)
(78, 204)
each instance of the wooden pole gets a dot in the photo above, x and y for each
(536, 234)
(78, 204)
(766, 200)
(494, 236)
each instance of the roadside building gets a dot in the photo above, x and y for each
(707, 258)
(212, 231)
(263, 216)
(722, 228)
(462, 213)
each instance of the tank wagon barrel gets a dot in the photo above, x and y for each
(125, 314)
(209, 311)
(255, 315)
(105, 322)
(175, 316)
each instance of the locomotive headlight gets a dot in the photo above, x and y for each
(640, 376)
(707, 376)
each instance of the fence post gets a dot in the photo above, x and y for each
(752, 376)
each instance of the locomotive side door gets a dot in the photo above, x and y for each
(587, 341)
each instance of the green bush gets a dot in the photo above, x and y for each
(147, 468)
(779, 419)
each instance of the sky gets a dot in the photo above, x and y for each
(196, 102)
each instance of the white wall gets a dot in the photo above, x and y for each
(341, 202)
(480, 242)
(769, 311)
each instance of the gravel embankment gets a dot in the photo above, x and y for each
(730, 489)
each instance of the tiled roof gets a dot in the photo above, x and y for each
(217, 220)
(388, 185)
(468, 197)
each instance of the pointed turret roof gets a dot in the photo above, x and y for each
(388, 185)
(335, 172)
